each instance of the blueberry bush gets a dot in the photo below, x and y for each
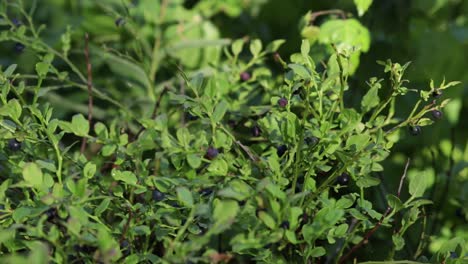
(147, 132)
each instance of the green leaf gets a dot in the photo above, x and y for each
(185, 196)
(89, 170)
(224, 213)
(126, 69)
(367, 181)
(398, 241)
(79, 125)
(12, 109)
(32, 174)
(300, 70)
(305, 48)
(359, 141)
(267, 219)
(317, 252)
(125, 176)
(42, 69)
(236, 46)
(220, 110)
(371, 99)
(417, 185)
(394, 202)
(255, 47)
(102, 207)
(10, 70)
(274, 45)
(21, 213)
(362, 6)
(218, 167)
(194, 160)
(348, 32)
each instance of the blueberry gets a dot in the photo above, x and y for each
(16, 22)
(285, 225)
(2, 208)
(459, 213)
(190, 117)
(205, 191)
(277, 57)
(211, 153)
(119, 22)
(415, 130)
(158, 196)
(282, 102)
(245, 76)
(14, 145)
(343, 179)
(19, 47)
(436, 114)
(232, 123)
(453, 255)
(256, 131)
(51, 214)
(280, 150)
(436, 93)
(311, 140)
(304, 218)
(125, 247)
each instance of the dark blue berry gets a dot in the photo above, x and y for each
(280, 150)
(343, 179)
(158, 196)
(190, 117)
(120, 22)
(283, 102)
(459, 213)
(206, 191)
(211, 153)
(453, 255)
(19, 47)
(256, 131)
(14, 145)
(51, 214)
(436, 93)
(304, 218)
(415, 130)
(2, 208)
(311, 140)
(125, 247)
(245, 76)
(285, 225)
(436, 114)
(16, 22)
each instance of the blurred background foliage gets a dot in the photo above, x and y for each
(432, 34)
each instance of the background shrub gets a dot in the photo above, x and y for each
(191, 131)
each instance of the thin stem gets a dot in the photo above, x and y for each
(372, 231)
(90, 89)
(339, 12)
(181, 231)
(157, 42)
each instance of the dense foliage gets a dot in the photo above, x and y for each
(161, 132)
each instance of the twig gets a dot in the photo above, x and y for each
(155, 109)
(403, 177)
(157, 41)
(339, 12)
(127, 225)
(90, 89)
(372, 231)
